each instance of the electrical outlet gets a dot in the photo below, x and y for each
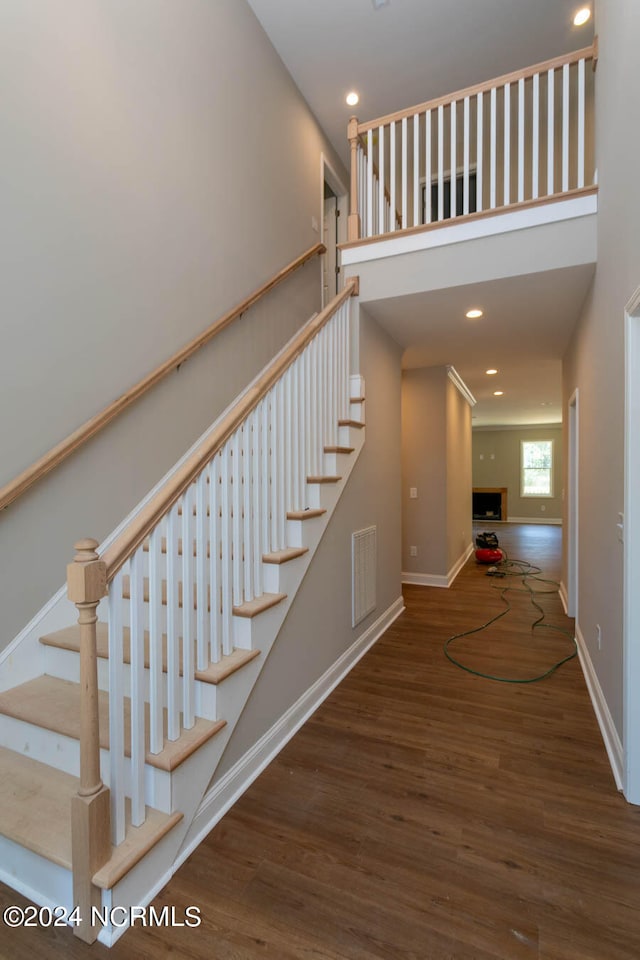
(413, 551)
(542, 507)
(413, 493)
(599, 636)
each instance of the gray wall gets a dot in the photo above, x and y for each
(318, 626)
(496, 463)
(436, 459)
(158, 165)
(594, 362)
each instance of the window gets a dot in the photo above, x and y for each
(536, 474)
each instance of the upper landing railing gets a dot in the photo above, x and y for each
(526, 136)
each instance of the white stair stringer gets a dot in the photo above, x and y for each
(49, 884)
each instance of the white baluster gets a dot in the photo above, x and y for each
(204, 484)
(247, 525)
(581, 144)
(136, 655)
(156, 705)
(416, 169)
(479, 150)
(465, 160)
(274, 441)
(188, 607)
(265, 478)
(257, 507)
(454, 163)
(493, 150)
(294, 417)
(392, 172)
(441, 162)
(116, 711)
(282, 439)
(226, 505)
(302, 433)
(308, 436)
(427, 176)
(173, 654)
(381, 197)
(550, 132)
(535, 142)
(405, 219)
(521, 117)
(236, 537)
(507, 144)
(565, 127)
(215, 568)
(370, 218)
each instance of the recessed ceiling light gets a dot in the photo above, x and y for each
(498, 393)
(474, 314)
(379, 3)
(491, 372)
(352, 98)
(581, 17)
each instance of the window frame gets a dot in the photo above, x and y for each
(537, 496)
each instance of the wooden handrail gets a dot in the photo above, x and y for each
(585, 53)
(141, 526)
(16, 487)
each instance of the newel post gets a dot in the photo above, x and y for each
(90, 809)
(353, 225)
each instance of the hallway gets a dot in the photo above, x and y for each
(422, 813)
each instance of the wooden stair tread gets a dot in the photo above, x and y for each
(69, 639)
(251, 608)
(137, 843)
(283, 556)
(55, 705)
(351, 423)
(217, 672)
(35, 806)
(356, 399)
(339, 449)
(305, 514)
(323, 479)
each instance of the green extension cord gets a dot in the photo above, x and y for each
(527, 571)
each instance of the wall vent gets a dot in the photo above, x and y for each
(363, 566)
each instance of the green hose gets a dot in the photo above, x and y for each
(527, 572)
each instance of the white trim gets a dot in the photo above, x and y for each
(630, 534)
(437, 579)
(554, 521)
(473, 229)
(233, 784)
(572, 508)
(612, 742)
(520, 427)
(460, 385)
(329, 175)
(562, 593)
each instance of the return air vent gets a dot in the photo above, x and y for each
(363, 565)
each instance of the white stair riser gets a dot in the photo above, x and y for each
(65, 665)
(284, 577)
(35, 877)
(63, 753)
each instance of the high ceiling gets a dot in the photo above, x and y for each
(409, 51)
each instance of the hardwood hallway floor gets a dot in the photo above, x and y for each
(423, 813)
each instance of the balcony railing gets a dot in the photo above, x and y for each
(526, 136)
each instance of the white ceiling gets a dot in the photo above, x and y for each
(407, 52)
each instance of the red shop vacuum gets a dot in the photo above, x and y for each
(487, 549)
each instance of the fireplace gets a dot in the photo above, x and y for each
(489, 503)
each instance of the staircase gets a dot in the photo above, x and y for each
(124, 716)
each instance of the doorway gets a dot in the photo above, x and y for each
(629, 527)
(334, 224)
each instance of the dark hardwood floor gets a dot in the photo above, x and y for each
(423, 813)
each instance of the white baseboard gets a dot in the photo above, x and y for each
(564, 597)
(612, 742)
(436, 579)
(233, 784)
(556, 521)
